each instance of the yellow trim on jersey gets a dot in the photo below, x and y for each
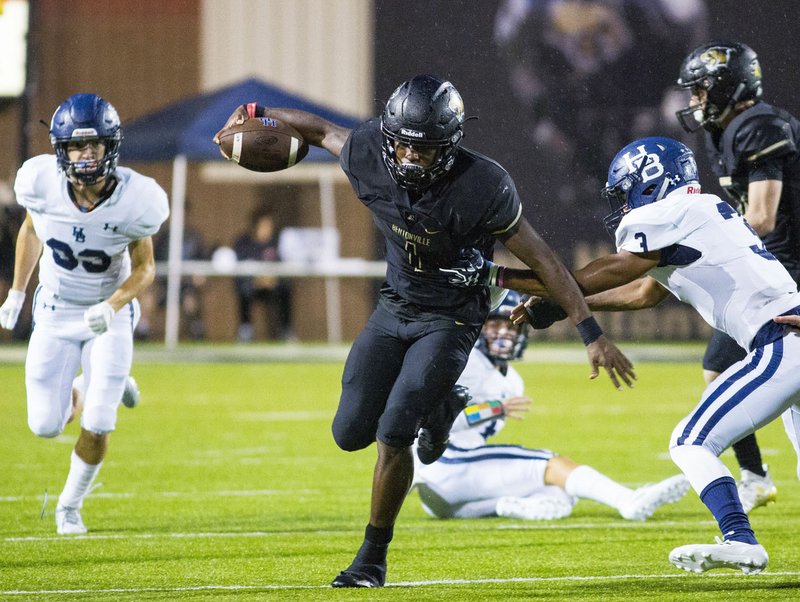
(767, 150)
(513, 223)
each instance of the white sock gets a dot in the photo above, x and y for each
(79, 480)
(586, 482)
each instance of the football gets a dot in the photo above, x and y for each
(263, 144)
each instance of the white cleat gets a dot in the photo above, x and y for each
(542, 507)
(755, 490)
(69, 522)
(746, 557)
(645, 500)
(130, 396)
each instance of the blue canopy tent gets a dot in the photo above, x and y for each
(182, 132)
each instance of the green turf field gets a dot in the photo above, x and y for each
(225, 484)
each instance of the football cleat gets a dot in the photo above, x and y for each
(435, 432)
(368, 575)
(645, 500)
(725, 554)
(542, 507)
(69, 522)
(130, 396)
(755, 490)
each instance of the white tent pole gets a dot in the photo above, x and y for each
(171, 328)
(333, 305)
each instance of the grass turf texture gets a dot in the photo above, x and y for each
(225, 484)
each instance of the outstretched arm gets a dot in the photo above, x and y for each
(642, 293)
(559, 285)
(315, 130)
(603, 274)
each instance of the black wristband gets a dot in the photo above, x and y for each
(589, 330)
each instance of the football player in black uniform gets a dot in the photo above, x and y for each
(430, 198)
(753, 149)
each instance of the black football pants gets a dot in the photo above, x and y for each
(397, 370)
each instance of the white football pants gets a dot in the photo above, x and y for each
(59, 345)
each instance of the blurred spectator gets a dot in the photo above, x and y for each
(260, 243)
(590, 76)
(11, 217)
(191, 291)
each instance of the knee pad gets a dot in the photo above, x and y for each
(348, 440)
(46, 427)
(99, 420)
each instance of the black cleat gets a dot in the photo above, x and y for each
(435, 431)
(370, 575)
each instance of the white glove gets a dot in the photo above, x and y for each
(9, 311)
(98, 317)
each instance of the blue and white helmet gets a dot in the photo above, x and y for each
(86, 117)
(508, 343)
(645, 171)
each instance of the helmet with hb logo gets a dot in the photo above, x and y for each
(645, 171)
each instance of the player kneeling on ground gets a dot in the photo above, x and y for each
(473, 479)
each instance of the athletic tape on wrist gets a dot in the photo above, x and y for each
(589, 330)
(481, 412)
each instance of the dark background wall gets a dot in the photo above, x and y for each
(455, 40)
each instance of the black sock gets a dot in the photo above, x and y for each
(379, 535)
(748, 455)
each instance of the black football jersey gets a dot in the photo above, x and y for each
(762, 143)
(425, 231)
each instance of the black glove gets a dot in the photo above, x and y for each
(543, 314)
(471, 269)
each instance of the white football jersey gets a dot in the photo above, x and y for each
(718, 263)
(485, 383)
(85, 257)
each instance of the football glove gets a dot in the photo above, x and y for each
(9, 311)
(98, 317)
(471, 269)
(542, 314)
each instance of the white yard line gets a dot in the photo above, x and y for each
(268, 586)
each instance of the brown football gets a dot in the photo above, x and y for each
(263, 144)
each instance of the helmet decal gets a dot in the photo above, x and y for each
(716, 57)
(728, 72)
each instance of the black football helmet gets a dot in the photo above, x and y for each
(425, 111)
(86, 117)
(507, 342)
(729, 72)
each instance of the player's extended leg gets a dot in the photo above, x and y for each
(582, 481)
(430, 357)
(746, 397)
(394, 471)
(106, 364)
(755, 486)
